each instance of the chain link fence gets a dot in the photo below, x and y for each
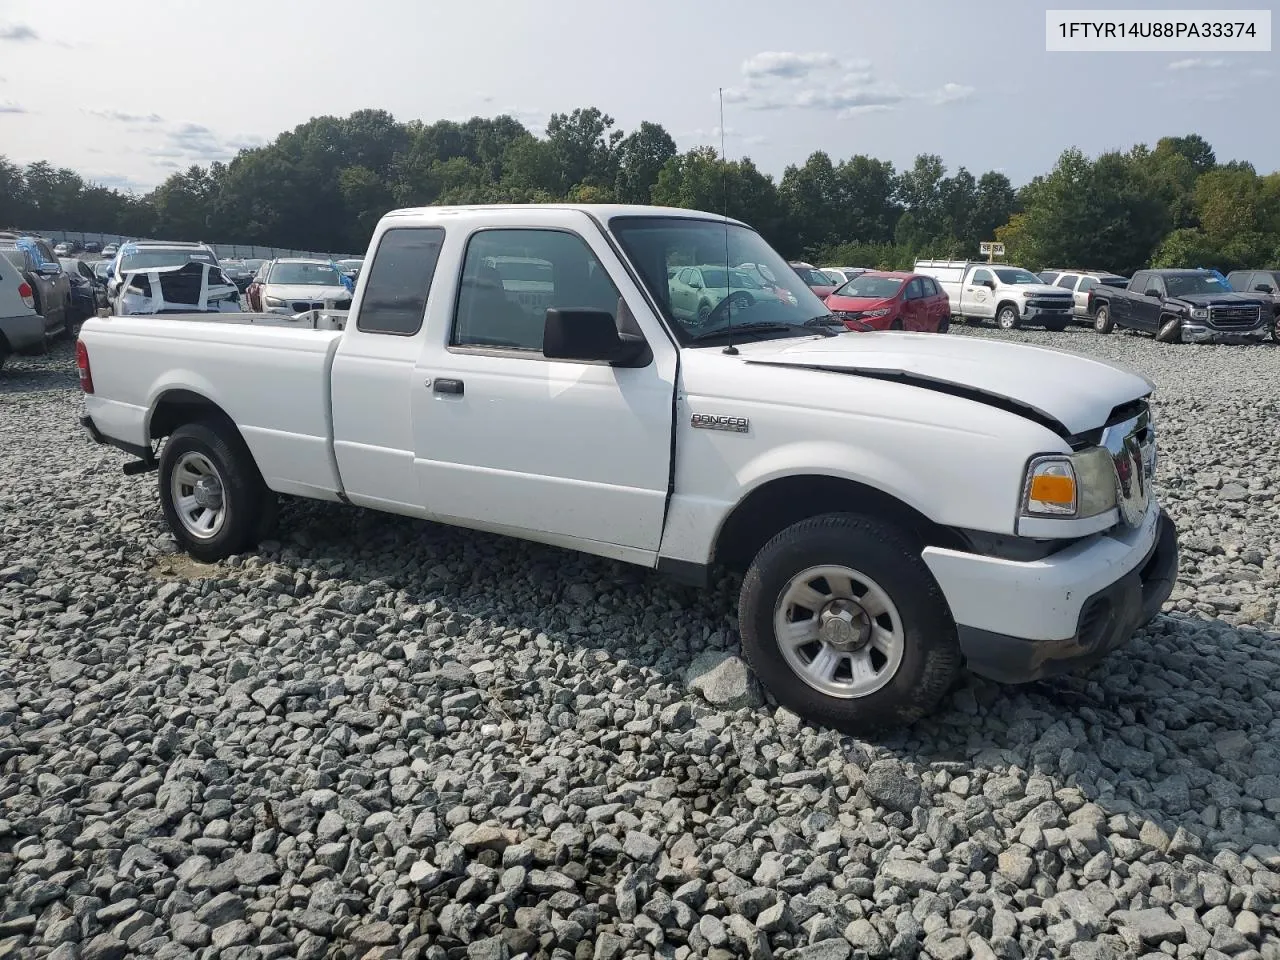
(224, 251)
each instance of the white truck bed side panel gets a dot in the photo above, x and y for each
(272, 381)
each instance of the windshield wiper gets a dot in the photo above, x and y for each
(766, 327)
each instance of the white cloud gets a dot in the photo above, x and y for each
(18, 33)
(780, 63)
(122, 117)
(777, 80)
(1197, 63)
(951, 92)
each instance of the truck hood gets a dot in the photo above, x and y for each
(1065, 389)
(1041, 290)
(1220, 299)
(310, 292)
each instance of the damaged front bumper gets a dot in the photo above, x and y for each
(1200, 333)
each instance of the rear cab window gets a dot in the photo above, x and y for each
(398, 282)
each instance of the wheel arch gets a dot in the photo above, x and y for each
(1000, 305)
(776, 504)
(177, 406)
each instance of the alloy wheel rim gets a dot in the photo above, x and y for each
(839, 631)
(198, 495)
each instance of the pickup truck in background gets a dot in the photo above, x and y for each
(899, 504)
(1010, 296)
(1195, 306)
(1264, 283)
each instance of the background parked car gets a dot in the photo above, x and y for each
(1264, 283)
(1178, 306)
(351, 267)
(817, 281)
(238, 272)
(892, 301)
(295, 285)
(92, 246)
(842, 275)
(87, 294)
(1080, 283)
(1011, 296)
(149, 276)
(22, 329)
(34, 259)
(110, 250)
(696, 291)
(63, 249)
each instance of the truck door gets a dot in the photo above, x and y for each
(505, 439)
(374, 380)
(976, 298)
(1146, 306)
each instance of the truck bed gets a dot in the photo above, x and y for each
(268, 372)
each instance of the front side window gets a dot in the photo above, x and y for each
(759, 289)
(915, 290)
(1068, 281)
(510, 278)
(395, 293)
(980, 277)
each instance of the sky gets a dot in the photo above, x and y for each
(127, 95)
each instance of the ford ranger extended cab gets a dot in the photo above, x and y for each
(1196, 306)
(900, 504)
(1010, 296)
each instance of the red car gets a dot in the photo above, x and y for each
(892, 301)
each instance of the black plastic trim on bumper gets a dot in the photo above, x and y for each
(139, 451)
(1107, 620)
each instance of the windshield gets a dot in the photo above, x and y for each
(879, 288)
(1181, 285)
(1016, 275)
(305, 274)
(814, 278)
(152, 258)
(655, 244)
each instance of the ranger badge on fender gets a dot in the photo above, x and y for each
(708, 421)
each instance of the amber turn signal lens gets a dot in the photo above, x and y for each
(1048, 488)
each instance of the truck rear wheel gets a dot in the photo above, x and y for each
(1007, 317)
(1102, 322)
(213, 497)
(844, 624)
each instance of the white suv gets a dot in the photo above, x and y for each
(21, 328)
(1080, 282)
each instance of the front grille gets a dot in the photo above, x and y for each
(1050, 303)
(1242, 316)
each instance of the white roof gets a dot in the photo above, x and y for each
(601, 211)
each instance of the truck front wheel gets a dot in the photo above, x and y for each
(213, 497)
(844, 624)
(1007, 317)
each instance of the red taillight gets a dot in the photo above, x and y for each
(82, 365)
(27, 294)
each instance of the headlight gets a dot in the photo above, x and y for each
(274, 302)
(878, 312)
(1200, 313)
(1078, 486)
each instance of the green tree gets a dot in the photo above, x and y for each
(641, 155)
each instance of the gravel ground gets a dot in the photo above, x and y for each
(378, 738)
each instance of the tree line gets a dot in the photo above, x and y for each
(324, 184)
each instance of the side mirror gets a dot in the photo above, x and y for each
(1152, 292)
(590, 335)
(989, 284)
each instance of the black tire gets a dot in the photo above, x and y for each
(1007, 317)
(4, 352)
(944, 324)
(1102, 322)
(248, 503)
(931, 658)
(1170, 330)
(896, 325)
(704, 312)
(1055, 326)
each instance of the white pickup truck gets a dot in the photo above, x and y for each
(1010, 296)
(899, 504)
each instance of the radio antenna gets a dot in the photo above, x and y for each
(724, 189)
